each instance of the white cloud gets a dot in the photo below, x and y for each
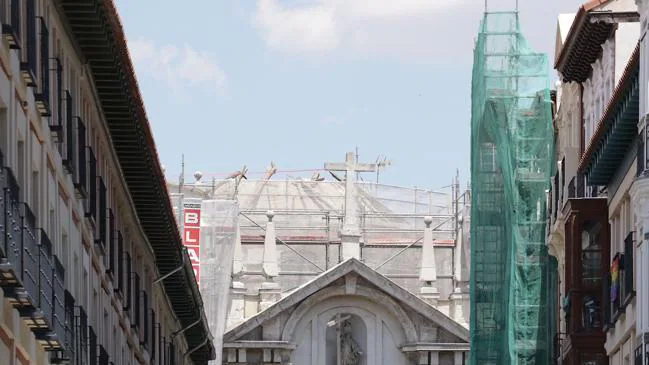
(179, 67)
(356, 26)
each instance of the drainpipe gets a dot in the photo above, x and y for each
(180, 331)
(582, 142)
(189, 352)
(182, 264)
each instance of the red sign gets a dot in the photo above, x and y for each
(192, 235)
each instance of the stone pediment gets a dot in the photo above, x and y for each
(401, 319)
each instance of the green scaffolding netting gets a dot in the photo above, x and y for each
(512, 276)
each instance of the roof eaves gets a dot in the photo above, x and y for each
(625, 79)
(122, 54)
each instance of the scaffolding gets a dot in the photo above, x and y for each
(511, 144)
(308, 216)
(307, 210)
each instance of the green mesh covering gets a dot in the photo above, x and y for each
(511, 158)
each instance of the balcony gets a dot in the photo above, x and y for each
(136, 320)
(45, 281)
(91, 202)
(19, 267)
(101, 232)
(28, 63)
(42, 96)
(67, 353)
(10, 20)
(54, 340)
(128, 286)
(621, 291)
(56, 122)
(26, 296)
(80, 177)
(144, 318)
(80, 337)
(103, 356)
(69, 151)
(92, 346)
(112, 242)
(587, 252)
(120, 265)
(11, 261)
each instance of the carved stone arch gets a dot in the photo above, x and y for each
(373, 295)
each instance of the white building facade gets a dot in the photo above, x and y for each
(398, 269)
(92, 265)
(593, 204)
(640, 196)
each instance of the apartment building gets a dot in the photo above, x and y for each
(592, 223)
(640, 198)
(91, 261)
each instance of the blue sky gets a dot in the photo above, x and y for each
(300, 82)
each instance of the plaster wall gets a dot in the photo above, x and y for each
(32, 154)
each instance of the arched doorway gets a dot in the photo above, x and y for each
(344, 324)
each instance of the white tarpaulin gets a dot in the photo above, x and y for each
(217, 236)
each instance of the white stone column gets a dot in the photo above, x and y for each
(460, 296)
(428, 269)
(434, 358)
(640, 197)
(270, 291)
(458, 357)
(237, 287)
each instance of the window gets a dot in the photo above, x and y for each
(69, 158)
(28, 51)
(112, 242)
(120, 265)
(102, 231)
(627, 270)
(91, 205)
(591, 256)
(43, 94)
(81, 173)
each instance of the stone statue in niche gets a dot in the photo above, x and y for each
(350, 351)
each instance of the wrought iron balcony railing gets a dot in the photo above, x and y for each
(27, 296)
(80, 176)
(101, 232)
(111, 246)
(91, 205)
(66, 355)
(46, 278)
(10, 20)
(56, 121)
(28, 60)
(57, 338)
(11, 264)
(70, 150)
(103, 356)
(120, 265)
(42, 96)
(81, 335)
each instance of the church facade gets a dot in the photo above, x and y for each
(349, 315)
(336, 272)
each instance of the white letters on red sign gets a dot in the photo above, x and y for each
(191, 218)
(194, 254)
(191, 236)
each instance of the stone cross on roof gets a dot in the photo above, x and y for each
(350, 233)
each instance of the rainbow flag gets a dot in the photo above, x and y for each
(615, 279)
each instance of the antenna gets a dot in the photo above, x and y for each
(381, 162)
(486, 6)
(181, 180)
